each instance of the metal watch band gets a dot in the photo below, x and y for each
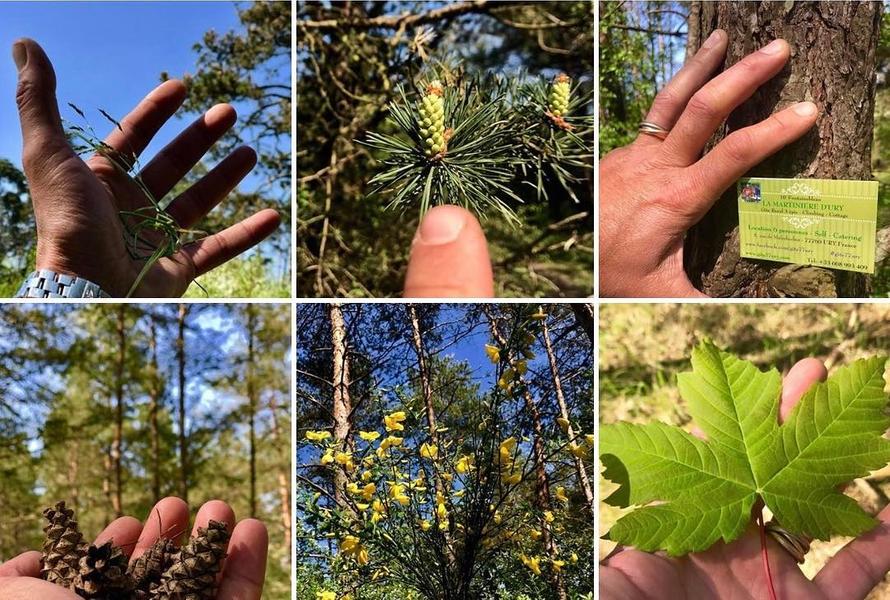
(49, 284)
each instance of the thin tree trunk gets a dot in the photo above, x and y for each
(283, 475)
(542, 481)
(74, 473)
(117, 439)
(342, 409)
(832, 63)
(584, 317)
(154, 395)
(580, 469)
(180, 363)
(427, 391)
(251, 402)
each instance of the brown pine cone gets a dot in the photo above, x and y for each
(103, 574)
(194, 575)
(146, 571)
(63, 546)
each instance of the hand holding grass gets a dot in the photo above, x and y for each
(78, 204)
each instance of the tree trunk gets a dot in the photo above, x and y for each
(180, 363)
(251, 401)
(542, 481)
(283, 475)
(832, 64)
(154, 401)
(117, 439)
(342, 409)
(584, 317)
(580, 469)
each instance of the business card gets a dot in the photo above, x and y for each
(823, 222)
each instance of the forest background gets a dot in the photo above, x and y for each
(112, 407)
(643, 44)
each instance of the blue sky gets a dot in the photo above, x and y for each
(106, 55)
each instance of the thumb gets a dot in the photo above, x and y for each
(42, 132)
(449, 257)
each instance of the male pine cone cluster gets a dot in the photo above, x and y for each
(432, 120)
(163, 572)
(560, 91)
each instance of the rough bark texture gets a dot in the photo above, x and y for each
(342, 409)
(833, 65)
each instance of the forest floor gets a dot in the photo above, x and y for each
(643, 347)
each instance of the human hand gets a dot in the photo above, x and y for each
(735, 570)
(653, 191)
(243, 572)
(76, 203)
(449, 257)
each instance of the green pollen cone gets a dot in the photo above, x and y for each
(431, 110)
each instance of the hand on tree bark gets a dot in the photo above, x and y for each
(653, 191)
(736, 570)
(449, 257)
(77, 203)
(243, 572)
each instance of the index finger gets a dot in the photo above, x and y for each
(799, 379)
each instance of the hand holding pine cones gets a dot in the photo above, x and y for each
(163, 572)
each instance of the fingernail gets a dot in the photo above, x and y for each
(713, 39)
(774, 47)
(19, 55)
(805, 109)
(441, 225)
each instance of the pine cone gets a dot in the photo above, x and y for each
(103, 574)
(63, 546)
(432, 120)
(146, 571)
(193, 577)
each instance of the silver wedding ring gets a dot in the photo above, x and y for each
(795, 545)
(653, 129)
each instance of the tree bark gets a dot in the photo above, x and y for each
(542, 481)
(180, 363)
(832, 64)
(580, 469)
(342, 409)
(154, 401)
(117, 440)
(584, 317)
(283, 474)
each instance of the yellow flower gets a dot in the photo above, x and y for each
(325, 595)
(564, 424)
(425, 525)
(369, 436)
(362, 506)
(397, 493)
(352, 547)
(513, 479)
(561, 494)
(535, 534)
(589, 439)
(505, 450)
(548, 516)
(318, 436)
(440, 497)
(390, 442)
(506, 380)
(368, 461)
(379, 509)
(497, 517)
(447, 477)
(493, 352)
(459, 494)
(328, 458)
(533, 563)
(393, 421)
(368, 491)
(367, 475)
(574, 557)
(558, 565)
(578, 451)
(464, 464)
(430, 451)
(521, 367)
(352, 488)
(441, 512)
(540, 315)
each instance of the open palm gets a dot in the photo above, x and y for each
(77, 203)
(736, 570)
(243, 572)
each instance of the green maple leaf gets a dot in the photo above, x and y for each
(692, 492)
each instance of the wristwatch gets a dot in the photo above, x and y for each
(44, 283)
